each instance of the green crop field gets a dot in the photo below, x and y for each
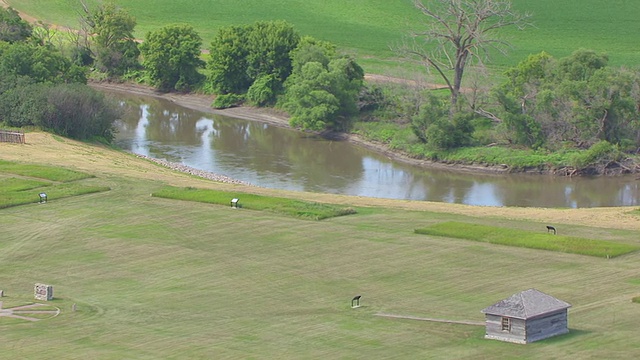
(157, 278)
(368, 28)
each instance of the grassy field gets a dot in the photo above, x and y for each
(367, 28)
(158, 278)
(25, 188)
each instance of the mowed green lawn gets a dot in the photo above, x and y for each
(166, 279)
(367, 28)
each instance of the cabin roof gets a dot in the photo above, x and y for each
(526, 304)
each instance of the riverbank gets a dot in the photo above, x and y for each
(105, 162)
(276, 118)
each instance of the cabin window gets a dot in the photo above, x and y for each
(506, 324)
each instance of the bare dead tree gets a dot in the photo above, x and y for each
(460, 32)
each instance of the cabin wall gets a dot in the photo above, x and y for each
(547, 326)
(517, 333)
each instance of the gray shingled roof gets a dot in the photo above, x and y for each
(526, 304)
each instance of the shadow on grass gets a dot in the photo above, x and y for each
(572, 334)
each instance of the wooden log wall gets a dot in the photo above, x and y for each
(12, 136)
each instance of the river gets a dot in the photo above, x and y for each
(274, 157)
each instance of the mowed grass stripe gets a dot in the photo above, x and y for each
(528, 239)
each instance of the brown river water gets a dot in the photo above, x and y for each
(274, 157)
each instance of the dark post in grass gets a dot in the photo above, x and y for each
(355, 302)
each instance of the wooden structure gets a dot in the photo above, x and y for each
(43, 292)
(525, 317)
(11, 136)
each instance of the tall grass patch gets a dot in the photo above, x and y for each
(291, 207)
(42, 172)
(528, 239)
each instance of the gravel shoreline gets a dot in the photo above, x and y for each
(195, 172)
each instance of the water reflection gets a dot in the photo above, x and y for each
(274, 157)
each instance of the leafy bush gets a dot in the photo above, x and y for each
(322, 97)
(72, 110)
(264, 90)
(602, 150)
(228, 100)
(41, 63)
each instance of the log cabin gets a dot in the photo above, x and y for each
(525, 317)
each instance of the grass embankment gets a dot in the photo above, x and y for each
(401, 138)
(369, 28)
(154, 278)
(290, 207)
(60, 183)
(528, 239)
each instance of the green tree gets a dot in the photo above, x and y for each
(171, 57)
(458, 33)
(576, 100)
(270, 44)
(41, 63)
(322, 97)
(116, 49)
(581, 65)
(240, 55)
(311, 49)
(227, 64)
(12, 27)
(308, 98)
